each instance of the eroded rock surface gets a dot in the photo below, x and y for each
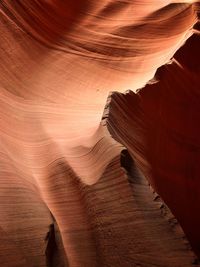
(59, 60)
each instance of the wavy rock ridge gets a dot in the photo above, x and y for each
(66, 198)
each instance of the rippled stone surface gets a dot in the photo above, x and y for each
(68, 197)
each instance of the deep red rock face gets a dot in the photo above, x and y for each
(161, 134)
(68, 196)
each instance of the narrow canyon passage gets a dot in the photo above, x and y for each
(80, 82)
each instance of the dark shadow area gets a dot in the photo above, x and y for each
(55, 253)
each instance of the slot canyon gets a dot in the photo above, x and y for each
(99, 133)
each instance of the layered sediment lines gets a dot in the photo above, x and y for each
(65, 198)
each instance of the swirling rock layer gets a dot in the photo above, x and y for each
(67, 197)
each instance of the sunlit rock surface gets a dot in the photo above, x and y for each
(68, 197)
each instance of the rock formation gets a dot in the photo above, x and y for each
(70, 194)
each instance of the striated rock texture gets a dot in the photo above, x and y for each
(70, 195)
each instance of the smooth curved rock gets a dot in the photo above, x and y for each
(58, 62)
